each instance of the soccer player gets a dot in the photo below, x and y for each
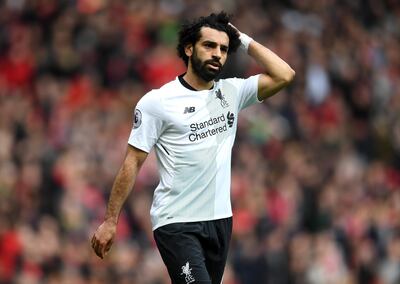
(191, 123)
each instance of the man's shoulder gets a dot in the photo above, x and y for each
(163, 91)
(156, 91)
(155, 98)
(167, 87)
(231, 80)
(237, 82)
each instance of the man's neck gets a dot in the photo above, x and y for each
(196, 82)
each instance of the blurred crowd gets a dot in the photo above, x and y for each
(316, 168)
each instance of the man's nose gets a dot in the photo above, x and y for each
(217, 53)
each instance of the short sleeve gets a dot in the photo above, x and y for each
(248, 89)
(148, 124)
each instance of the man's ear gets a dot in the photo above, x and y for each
(189, 50)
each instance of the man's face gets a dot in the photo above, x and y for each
(209, 54)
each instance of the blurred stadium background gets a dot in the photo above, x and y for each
(316, 169)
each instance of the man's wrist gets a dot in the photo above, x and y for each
(111, 220)
(245, 41)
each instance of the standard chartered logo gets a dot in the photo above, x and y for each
(231, 118)
(211, 127)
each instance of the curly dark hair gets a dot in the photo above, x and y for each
(190, 32)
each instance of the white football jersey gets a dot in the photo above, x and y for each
(193, 133)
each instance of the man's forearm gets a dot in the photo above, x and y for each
(121, 188)
(273, 65)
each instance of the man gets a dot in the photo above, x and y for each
(191, 122)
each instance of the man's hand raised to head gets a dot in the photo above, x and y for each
(244, 39)
(277, 73)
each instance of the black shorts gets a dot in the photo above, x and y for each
(195, 252)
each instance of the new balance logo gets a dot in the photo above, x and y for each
(231, 118)
(189, 110)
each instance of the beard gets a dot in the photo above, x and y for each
(202, 70)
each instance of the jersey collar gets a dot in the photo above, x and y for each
(187, 85)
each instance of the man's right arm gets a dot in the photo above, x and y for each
(123, 184)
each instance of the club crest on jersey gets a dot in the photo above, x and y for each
(138, 119)
(219, 95)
